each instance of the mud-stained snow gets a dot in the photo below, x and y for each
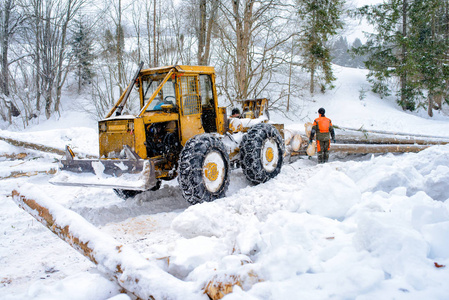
(358, 227)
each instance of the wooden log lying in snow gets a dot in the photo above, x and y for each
(37, 147)
(140, 277)
(394, 133)
(32, 146)
(367, 137)
(375, 148)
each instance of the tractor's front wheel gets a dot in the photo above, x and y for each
(261, 153)
(203, 169)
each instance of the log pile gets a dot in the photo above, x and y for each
(353, 141)
(353, 136)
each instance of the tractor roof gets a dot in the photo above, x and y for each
(180, 69)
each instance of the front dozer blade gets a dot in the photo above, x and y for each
(131, 173)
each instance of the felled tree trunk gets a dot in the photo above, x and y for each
(349, 136)
(134, 273)
(376, 148)
(32, 146)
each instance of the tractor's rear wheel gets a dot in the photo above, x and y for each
(203, 169)
(261, 153)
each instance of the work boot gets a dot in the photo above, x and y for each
(320, 158)
(326, 157)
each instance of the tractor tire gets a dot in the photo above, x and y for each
(126, 194)
(261, 153)
(204, 168)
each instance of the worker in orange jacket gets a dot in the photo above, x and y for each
(322, 126)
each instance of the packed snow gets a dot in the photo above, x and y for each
(358, 227)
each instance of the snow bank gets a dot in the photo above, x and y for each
(363, 228)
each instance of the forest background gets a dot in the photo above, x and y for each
(282, 50)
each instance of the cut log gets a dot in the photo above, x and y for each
(32, 146)
(220, 286)
(138, 276)
(367, 137)
(37, 147)
(372, 148)
(18, 174)
(393, 133)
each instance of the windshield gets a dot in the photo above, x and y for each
(166, 95)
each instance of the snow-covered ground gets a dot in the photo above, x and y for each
(362, 227)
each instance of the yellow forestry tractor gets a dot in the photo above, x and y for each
(177, 129)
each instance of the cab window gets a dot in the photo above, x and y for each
(165, 96)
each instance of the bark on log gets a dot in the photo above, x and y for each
(37, 147)
(393, 133)
(140, 277)
(32, 146)
(372, 148)
(369, 137)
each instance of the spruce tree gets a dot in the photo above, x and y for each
(82, 52)
(411, 44)
(427, 35)
(358, 61)
(339, 52)
(388, 50)
(321, 19)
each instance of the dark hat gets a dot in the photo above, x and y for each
(321, 111)
(235, 111)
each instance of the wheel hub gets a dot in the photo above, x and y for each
(214, 171)
(270, 155)
(211, 171)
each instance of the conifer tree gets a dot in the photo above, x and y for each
(411, 44)
(321, 20)
(340, 55)
(82, 52)
(388, 50)
(358, 61)
(429, 24)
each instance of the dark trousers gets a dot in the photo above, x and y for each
(323, 150)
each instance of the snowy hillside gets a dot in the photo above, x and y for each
(359, 227)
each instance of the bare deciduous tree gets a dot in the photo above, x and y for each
(10, 20)
(252, 33)
(48, 23)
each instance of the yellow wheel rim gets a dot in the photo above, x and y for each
(269, 154)
(211, 171)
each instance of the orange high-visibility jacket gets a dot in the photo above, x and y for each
(322, 126)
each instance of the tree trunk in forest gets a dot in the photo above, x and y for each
(4, 42)
(155, 36)
(403, 76)
(48, 76)
(205, 30)
(59, 78)
(202, 32)
(37, 54)
(148, 23)
(312, 78)
(119, 47)
(430, 105)
(243, 27)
